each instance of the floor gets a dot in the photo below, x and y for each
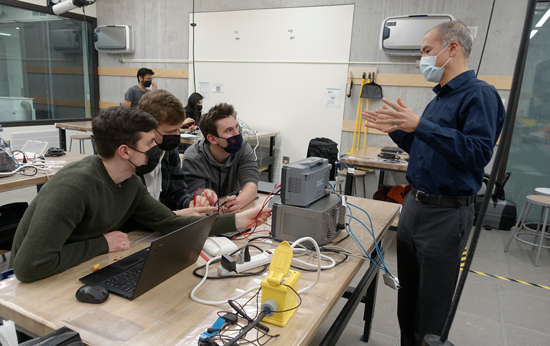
(491, 312)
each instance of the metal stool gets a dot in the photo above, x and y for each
(542, 191)
(522, 228)
(80, 139)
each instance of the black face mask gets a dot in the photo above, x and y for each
(234, 144)
(147, 83)
(169, 142)
(199, 108)
(153, 158)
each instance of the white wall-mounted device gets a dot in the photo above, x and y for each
(114, 39)
(402, 35)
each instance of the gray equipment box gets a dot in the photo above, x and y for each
(7, 163)
(304, 181)
(501, 214)
(322, 221)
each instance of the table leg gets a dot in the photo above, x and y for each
(370, 302)
(93, 143)
(364, 292)
(349, 181)
(271, 153)
(381, 178)
(62, 139)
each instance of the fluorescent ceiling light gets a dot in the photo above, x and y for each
(543, 19)
(1, 33)
(533, 32)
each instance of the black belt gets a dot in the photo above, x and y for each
(446, 201)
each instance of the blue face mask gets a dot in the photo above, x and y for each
(234, 144)
(428, 67)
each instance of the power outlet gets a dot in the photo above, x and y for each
(286, 160)
(255, 261)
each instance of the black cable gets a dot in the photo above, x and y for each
(23, 170)
(248, 328)
(194, 25)
(22, 153)
(486, 35)
(240, 310)
(341, 240)
(294, 308)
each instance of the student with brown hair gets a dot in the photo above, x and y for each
(166, 182)
(222, 161)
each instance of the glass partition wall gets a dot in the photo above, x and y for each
(529, 156)
(47, 66)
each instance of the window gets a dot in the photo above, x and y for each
(48, 66)
(529, 155)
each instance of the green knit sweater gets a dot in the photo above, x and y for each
(65, 223)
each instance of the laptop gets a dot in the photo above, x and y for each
(265, 187)
(136, 274)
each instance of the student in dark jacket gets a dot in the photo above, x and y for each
(166, 182)
(193, 110)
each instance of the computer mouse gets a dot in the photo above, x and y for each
(92, 294)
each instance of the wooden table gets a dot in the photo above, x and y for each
(167, 316)
(368, 158)
(17, 180)
(264, 163)
(85, 126)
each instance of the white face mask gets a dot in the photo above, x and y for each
(428, 67)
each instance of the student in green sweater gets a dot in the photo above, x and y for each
(76, 215)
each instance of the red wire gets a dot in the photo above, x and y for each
(206, 195)
(260, 213)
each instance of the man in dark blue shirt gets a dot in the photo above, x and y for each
(449, 147)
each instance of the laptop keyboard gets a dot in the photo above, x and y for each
(126, 281)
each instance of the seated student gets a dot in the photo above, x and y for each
(166, 182)
(134, 93)
(221, 161)
(194, 108)
(75, 215)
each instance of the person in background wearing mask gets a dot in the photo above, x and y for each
(134, 94)
(221, 161)
(75, 216)
(166, 181)
(193, 110)
(449, 147)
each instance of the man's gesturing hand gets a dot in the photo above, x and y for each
(398, 117)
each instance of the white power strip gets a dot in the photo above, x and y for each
(255, 261)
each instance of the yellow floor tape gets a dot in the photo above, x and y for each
(463, 260)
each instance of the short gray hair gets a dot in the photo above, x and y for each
(456, 31)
